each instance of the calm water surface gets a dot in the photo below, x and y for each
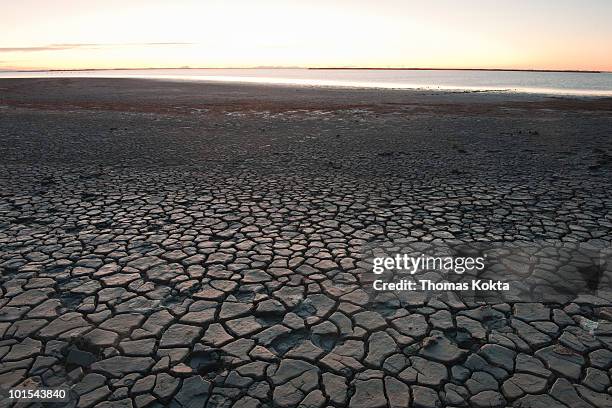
(558, 83)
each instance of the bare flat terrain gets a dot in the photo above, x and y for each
(195, 244)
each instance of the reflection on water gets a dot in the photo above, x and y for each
(562, 83)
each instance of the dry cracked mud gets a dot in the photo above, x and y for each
(216, 259)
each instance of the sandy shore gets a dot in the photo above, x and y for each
(177, 243)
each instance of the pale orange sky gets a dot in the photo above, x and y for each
(527, 34)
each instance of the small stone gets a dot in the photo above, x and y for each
(488, 399)
(120, 365)
(498, 355)
(369, 394)
(80, 358)
(423, 397)
(179, 335)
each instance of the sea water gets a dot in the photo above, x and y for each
(556, 83)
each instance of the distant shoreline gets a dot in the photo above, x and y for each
(467, 69)
(323, 68)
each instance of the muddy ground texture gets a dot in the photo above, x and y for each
(195, 245)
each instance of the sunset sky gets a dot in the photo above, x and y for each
(529, 34)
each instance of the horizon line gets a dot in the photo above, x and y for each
(581, 71)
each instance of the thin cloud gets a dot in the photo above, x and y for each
(60, 47)
(28, 49)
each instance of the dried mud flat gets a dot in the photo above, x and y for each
(202, 245)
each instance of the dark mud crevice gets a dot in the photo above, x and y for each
(286, 342)
(71, 300)
(325, 341)
(208, 363)
(463, 339)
